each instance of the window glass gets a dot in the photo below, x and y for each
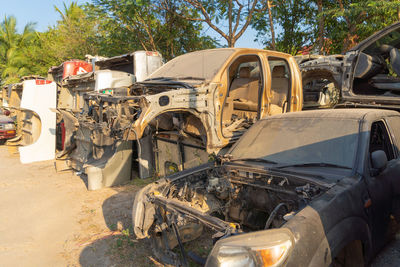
(379, 139)
(280, 85)
(392, 39)
(301, 140)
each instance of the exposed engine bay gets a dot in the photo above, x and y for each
(229, 200)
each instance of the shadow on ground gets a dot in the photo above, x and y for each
(119, 247)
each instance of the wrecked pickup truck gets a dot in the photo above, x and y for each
(195, 105)
(311, 188)
(365, 76)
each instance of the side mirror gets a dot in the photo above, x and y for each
(379, 161)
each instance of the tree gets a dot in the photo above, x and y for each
(321, 22)
(237, 14)
(349, 21)
(13, 62)
(72, 37)
(293, 18)
(145, 25)
(271, 25)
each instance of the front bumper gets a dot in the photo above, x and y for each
(7, 134)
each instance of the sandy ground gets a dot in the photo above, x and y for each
(50, 219)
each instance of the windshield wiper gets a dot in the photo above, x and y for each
(160, 78)
(314, 164)
(255, 160)
(190, 78)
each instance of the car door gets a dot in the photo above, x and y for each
(379, 197)
(280, 93)
(242, 103)
(394, 166)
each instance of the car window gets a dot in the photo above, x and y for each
(280, 86)
(392, 39)
(380, 140)
(394, 127)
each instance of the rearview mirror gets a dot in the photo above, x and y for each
(378, 161)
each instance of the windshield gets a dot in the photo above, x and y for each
(301, 141)
(391, 39)
(202, 65)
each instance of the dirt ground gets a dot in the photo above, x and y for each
(51, 219)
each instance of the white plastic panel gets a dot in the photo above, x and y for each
(40, 97)
(145, 63)
(106, 79)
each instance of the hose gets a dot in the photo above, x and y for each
(273, 214)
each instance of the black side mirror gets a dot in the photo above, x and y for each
(379, 162)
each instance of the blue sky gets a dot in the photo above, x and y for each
(42, 12)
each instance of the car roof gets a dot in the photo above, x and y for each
(353, 113)
(239, 49)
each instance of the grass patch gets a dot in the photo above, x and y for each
(143, 182)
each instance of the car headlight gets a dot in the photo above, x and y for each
(9, 126)
(260, 248)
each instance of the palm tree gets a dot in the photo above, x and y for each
(71, 12)
(13, 63)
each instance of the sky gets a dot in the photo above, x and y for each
(43, 14)
(40, 11)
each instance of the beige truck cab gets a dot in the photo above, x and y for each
(195, 105)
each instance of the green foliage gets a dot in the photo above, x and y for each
(127, 25)
(71, 38)
(13, 61)
(295, 20)
(349, 22)
(230, 19)
(175, 27)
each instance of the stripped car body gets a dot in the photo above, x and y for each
(200, 102)
(25, 100)
(318, 92)
(365, 76)
(101, 75)
(310, 188)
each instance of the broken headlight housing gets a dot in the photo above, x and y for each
(261, 248)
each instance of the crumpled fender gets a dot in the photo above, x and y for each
(40, 96)
(143, 211)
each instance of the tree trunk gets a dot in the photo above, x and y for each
(271, 25)
(398, 14)
(321, 23)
